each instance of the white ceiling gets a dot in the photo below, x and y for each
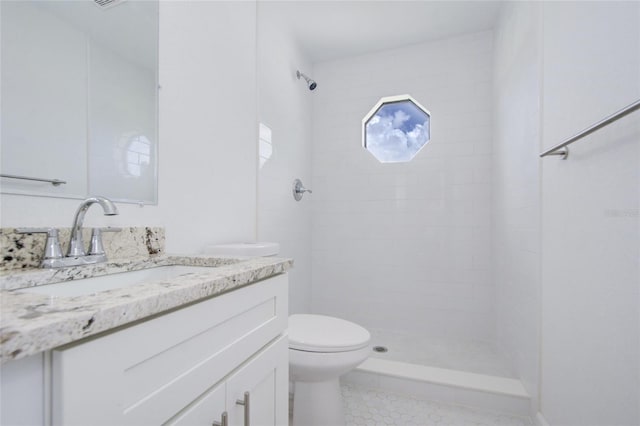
(331, 29)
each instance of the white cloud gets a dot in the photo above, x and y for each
(418, 136)
(399, 118)
(389, 143)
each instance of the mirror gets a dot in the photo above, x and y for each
(79, 90)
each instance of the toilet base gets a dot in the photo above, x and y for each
(318, 404)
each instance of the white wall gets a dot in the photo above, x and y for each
(516, 189)
(207, 170)
(285, 107)
(590, 220)
(406, 246)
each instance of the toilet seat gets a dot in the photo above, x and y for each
(320, 333)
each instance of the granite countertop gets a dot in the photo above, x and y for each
(31, 323)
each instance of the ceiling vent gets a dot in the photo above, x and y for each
(106, 4)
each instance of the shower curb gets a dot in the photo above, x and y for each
(439, 384)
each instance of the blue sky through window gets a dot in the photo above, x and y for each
(397, 131)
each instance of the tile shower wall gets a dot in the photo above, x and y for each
(406, 246)
(516, 189)
(284, 105)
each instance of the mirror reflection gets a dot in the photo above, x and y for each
(79, 98)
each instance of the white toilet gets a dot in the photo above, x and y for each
(258, 249)
(321, 349)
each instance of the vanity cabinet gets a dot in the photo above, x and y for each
(254, 383)
(185, 367)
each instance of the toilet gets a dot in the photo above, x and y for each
(321, 349)
(235, 250)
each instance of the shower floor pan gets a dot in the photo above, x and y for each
(471, 356)
(466, 373)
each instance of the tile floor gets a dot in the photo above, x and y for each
(364, 406)
(472, 356)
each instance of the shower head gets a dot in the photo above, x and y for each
(312, 84)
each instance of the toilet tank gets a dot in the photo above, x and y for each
(258, 249)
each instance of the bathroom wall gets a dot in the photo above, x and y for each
(284, 105)
(406, 246)
(590, 216)
(207, 135)
(516, 189)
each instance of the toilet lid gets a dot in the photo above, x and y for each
(319, 333)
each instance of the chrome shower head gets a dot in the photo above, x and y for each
(310, 83)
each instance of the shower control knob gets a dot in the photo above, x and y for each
(299, 190)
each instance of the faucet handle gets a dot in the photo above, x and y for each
(35, 230)
(96, 247)
(52, 249)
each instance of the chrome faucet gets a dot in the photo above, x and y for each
(76, 254)
(76, 243)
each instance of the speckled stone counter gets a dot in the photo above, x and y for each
(31, 323)
(24, 251)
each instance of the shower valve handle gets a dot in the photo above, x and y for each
(299, 190)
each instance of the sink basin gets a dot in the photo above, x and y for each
(114, 281)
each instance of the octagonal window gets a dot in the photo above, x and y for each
(396, 129)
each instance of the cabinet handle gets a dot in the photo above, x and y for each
(224, 421)
(246, 404)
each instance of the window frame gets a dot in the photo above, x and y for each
(390, 100)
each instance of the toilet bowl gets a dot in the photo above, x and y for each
(321, 349)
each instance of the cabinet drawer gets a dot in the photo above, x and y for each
(148, 372)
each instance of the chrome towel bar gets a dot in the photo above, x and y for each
(558, 149)
(54, 182)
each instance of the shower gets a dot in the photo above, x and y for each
(311, 83)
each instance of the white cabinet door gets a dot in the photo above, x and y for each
(204, 412)
(258, 389)
(263, 382)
